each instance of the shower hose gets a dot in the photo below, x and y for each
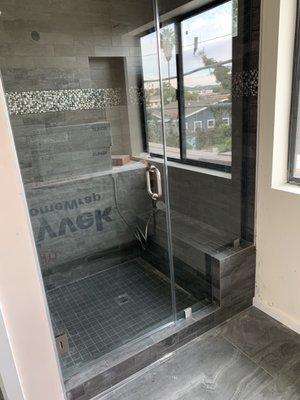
(141, 235)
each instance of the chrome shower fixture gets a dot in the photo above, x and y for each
(154, 170)
(141, 235)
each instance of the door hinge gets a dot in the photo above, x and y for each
(62, 343)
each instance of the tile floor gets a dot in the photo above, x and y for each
(250, 357)
(106, 310)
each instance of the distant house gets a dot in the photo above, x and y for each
(199, 115)
(154, 101)
(203, 118)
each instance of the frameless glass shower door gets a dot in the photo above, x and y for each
(196, 52)
(83, 85)
(129, 130)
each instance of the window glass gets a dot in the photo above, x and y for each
(207, 68)
(196, 61)
(198, 125)
(152, 91)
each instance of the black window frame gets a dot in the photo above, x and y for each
(180, 93)
(295, 103)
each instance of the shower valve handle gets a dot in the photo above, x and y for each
(154, 170)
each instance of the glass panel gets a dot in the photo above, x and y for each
(207, 69)
(209, 216)
(75, 77)
(152, 90)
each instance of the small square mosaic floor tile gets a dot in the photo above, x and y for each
(106, 310)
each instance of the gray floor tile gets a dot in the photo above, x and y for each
(269, 343)
(281, 389)
(209, 368)
(217, 366)
(286, 383)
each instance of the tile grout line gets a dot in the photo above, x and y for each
(133, 377)
(170, 355)
(246, 355)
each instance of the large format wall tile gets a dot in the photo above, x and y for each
(75, 218)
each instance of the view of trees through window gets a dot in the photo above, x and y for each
(153, 108)
(199, 85)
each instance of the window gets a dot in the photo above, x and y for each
(198, 125)
(152, 106)
(294, 146)
(211, 123)
(196, 62)
(226, 121)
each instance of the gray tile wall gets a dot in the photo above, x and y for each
(70, 35)
(67, 57)
(51, 152)
(77, 218)
(207, 198)
(75, 50)
(82, 44)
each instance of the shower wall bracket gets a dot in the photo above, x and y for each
(62, 344)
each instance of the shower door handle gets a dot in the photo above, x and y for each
(153, 170)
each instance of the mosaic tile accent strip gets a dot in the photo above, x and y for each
(136, 95)
(245, 83)
(42, 101)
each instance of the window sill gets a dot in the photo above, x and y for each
(186, 167)
(292, 188)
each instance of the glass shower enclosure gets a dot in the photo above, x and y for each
(121, 112)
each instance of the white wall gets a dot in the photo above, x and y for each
(27, 348)
(278, 204)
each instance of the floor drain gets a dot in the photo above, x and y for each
(122, 299)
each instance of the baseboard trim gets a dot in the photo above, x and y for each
(278, 315)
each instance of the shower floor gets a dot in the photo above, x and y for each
(106, 310)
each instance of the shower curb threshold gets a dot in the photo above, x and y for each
(114, 367)
(233, 280)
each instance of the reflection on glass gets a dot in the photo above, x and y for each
(207, 70)
(152, 91)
